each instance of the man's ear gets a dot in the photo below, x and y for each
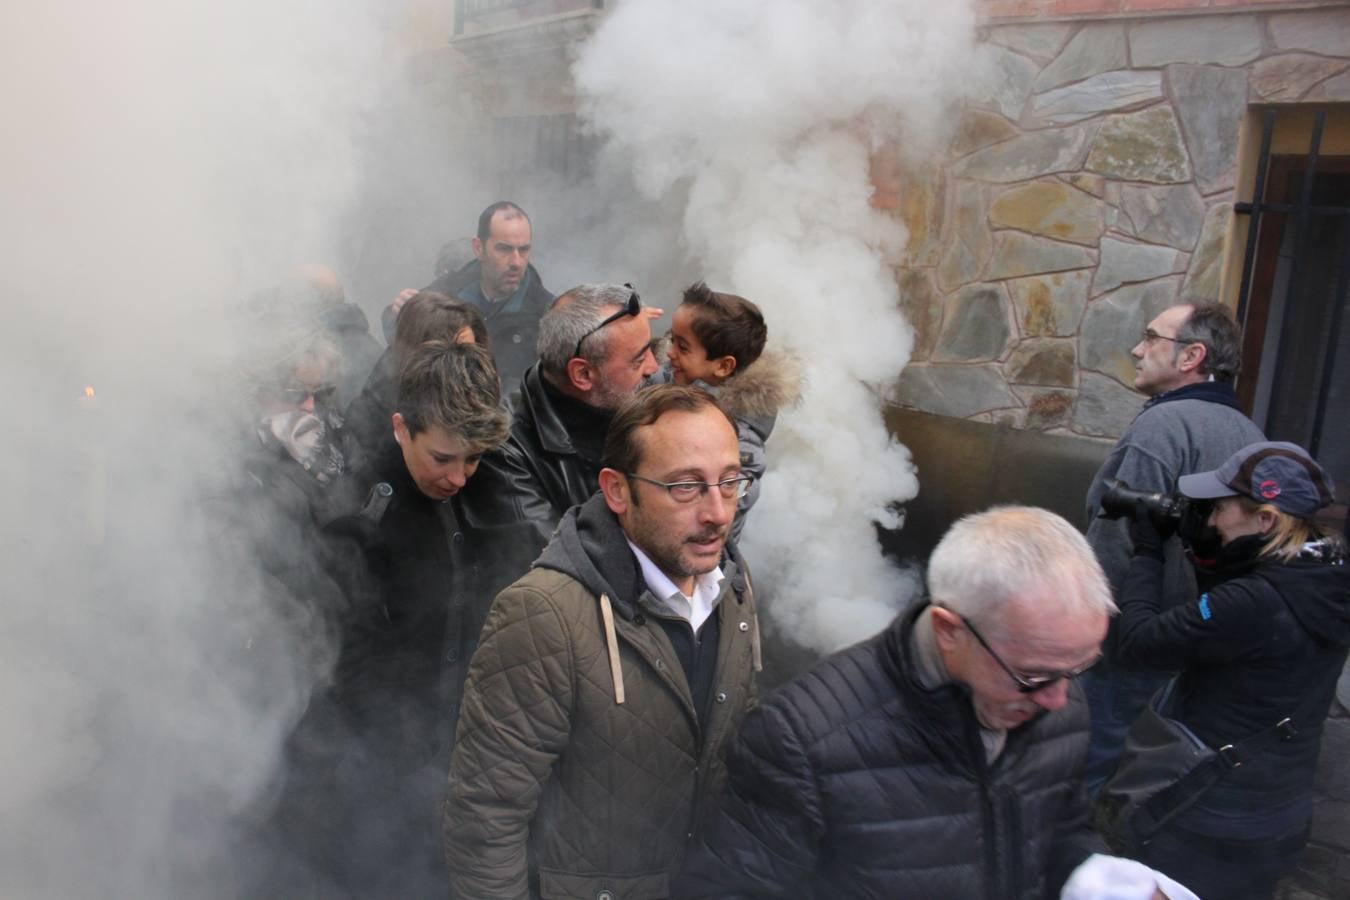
(946, 625)
(580, 374)
(477, 248)
(401, 435)
(725, 367)
(615, 487)
(1192, 356)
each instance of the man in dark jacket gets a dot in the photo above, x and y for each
(316, 291)
(609, 678)
(1186, 363)
(503, 285)
(405, 655)
(939, 759)
(594, 353)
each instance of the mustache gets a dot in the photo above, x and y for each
(704, 536)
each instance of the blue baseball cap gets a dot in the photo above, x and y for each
(1273, 472)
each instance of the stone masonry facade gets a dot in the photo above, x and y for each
(1088, 185)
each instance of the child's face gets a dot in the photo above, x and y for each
(688, 360)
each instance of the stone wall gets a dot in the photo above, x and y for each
(1088, 185)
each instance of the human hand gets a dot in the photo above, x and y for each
(652, 312)
(403, 297)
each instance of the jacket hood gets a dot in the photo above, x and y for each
(773, 382)
(1316, 587)
(590, 546)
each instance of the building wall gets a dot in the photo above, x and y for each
(1090, 185)
(1087, 187)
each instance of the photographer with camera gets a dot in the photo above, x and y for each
(1259, 654)
(1186, 361)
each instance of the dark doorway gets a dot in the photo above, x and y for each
(1294, 305)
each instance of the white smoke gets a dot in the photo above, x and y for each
(162, 160)
(766, 114)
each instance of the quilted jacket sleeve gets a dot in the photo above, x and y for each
(763, 840)
(514, 723)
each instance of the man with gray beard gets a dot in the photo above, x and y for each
(594, 352)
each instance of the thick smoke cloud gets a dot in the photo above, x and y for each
(163, 161)
(763, 118)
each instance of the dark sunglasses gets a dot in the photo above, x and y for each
(1028, 684)
(632, 308)
(295, 394)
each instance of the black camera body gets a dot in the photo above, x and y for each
(1171, 513)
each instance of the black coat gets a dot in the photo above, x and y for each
(280, 522)
(405, 655)
(854, 781)
(350, 331)
(549, 463)
(1266, 640)
(368, 419)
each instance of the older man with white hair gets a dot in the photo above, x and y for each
(941, 758)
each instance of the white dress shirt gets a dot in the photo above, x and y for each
(694, 610)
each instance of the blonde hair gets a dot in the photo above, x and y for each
(1284, 539)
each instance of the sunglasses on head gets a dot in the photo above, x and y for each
(632, 308)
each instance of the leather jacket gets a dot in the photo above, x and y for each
(549, 463)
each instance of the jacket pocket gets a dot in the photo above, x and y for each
(558, 885)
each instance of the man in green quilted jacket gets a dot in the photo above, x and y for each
(609, 678)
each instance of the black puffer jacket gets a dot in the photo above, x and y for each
(854, 781)
(1268, 640)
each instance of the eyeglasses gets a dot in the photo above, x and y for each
(632, 308)
(1028, 684)
(686, 491)
(1150, 336)
(295, 394)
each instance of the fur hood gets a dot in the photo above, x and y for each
(773, 382)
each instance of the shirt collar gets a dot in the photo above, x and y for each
(706, 585)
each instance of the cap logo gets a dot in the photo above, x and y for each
(1269, 489)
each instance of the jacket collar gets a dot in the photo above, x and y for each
(1220, 392)
(590, 546)
(554, 415)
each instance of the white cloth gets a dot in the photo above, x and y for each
(1102, 877)
(694, 610)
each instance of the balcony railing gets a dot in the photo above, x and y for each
(469, 13)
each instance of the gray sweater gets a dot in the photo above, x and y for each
(1194, 428)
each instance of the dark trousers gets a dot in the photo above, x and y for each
(1218, 869)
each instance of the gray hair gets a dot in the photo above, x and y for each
(987, 559)
(570, 317)
(1213, 325)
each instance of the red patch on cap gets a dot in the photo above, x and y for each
(1269, 490)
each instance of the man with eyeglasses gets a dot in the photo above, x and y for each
(1186, 361)
(940, 758)
(607, 680)
(594, 353)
